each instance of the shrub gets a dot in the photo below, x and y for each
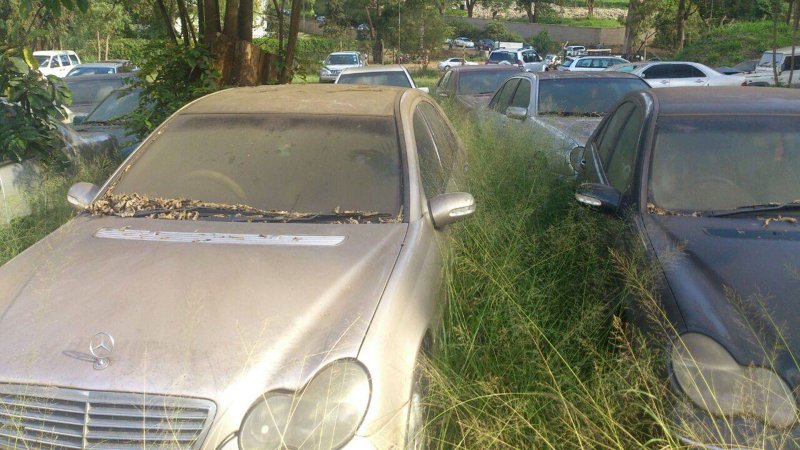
(171, 76)
(733, 43)
(497, 31)
(464, 28)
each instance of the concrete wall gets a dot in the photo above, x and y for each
(558, 33)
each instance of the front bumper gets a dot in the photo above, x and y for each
(328, 78)
(698, 428)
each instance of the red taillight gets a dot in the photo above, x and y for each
(519, 63)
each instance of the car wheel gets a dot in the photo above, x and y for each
(417, 437)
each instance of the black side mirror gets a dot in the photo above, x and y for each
(600, 196)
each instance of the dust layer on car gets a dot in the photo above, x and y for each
(131, 205)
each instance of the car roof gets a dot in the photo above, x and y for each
(378, 68)
(726, 100)
(99, 77)
(487, 67)
(311, 99)
(53, 52)
(346, 53)
(100, 64)
(563, 75)
(784, 50)
(597, 57)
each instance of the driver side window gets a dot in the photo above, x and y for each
(620, 168)
(503, 96)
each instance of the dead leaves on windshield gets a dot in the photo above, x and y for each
(780, 218)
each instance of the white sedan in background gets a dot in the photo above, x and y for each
(389, 75)
(679, 73)
(449, 63)
(463, 42)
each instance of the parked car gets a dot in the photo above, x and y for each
(527, 59)
(764, 75)
(485, 44)
(336, 62)
(102, 68)
(625, 67)
(590, 63)
(56, 62)
(707, 179)
(449, 63)
(268, 245)
(110, 117)
(575, 50)
(743, 67)
(463, 42)
(362, 27)
(552, 61)
(471, 87)
(567, 106)
(676, 74)
(388, 75)
(89, 90)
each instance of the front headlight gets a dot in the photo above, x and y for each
(324, 414)
(714, 381)
(325, 71)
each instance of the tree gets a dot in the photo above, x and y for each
(496, 6)
(590, 7)
(795, 24)
(535, 8)
(639, 21)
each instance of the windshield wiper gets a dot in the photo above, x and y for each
(760, 208)
(336, 217)
(571, 113)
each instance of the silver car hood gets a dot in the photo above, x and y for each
(193, 313)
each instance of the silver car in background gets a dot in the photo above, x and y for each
(336, 62)
(264, 272)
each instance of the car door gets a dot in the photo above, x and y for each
(687, 75)
(584, 64)
(520, 99)
(657, 75)
(66, 65)
(530, 60)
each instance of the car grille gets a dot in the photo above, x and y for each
(36, 417)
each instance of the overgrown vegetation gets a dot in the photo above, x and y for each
(531, 355)
(48, 205)
(732, 43)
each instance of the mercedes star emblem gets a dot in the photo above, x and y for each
(101, 346)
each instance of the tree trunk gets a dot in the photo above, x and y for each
(201, 20)
(590, 6)
(680, 26)
(529, 11)
(231, 19)
(108, 37)
(470, 7)
(246, 20)
(535, 18)
(294, 27)
(794, 42)
(631, 24)
(789, 11)
(162, 9)
(211, 20)
(184, 18)
(98, 45)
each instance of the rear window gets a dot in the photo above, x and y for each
(482, 81)
(497, 57)
(579, 96)
(341, 60)
(398, 79)
(90, 71)
(308, 163)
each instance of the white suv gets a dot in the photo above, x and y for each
(56, 62)
(528, 59)
(765, 76)
(590, 63)
(336, 62)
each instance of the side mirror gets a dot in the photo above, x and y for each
(576, 158)
(601, 196)
(451, 207)
(425, 90)
(80, 195)
(515, 112)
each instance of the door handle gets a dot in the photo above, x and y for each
(664, 81)
(699, 81)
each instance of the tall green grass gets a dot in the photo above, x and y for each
(48, 201)
(531, 354)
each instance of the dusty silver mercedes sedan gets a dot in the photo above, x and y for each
(265, 271)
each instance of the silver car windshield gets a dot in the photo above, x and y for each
(482, 81)
(114, 107)
(341, 60)
(310, 164)
(592, 97)
(724, 163)
(766, 59)
(92, 90)
(376, 78)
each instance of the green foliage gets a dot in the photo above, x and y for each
(464, 28)
(733, 43)
(454, 12)
(311, 50)
(543, 44)
(30, 118)
(497, 31)
(171, 76)
(421, 28)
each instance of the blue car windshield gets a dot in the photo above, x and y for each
(722, 163)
